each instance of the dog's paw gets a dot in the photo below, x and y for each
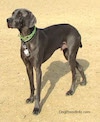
(70, 92)
(30, 100)
(36, 111)
(83, 83)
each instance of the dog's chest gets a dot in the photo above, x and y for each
(25, 51)
(28, 52)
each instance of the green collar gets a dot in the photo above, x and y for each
(28, 37)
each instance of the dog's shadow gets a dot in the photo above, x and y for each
(56, 70)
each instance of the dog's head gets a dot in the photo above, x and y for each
(21, 18)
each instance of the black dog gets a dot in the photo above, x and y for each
(37, 45)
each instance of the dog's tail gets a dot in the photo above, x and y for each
(80, 44)
(79, 38)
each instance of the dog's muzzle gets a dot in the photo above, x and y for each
(9, 22)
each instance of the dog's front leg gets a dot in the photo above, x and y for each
(29, 70)
(38, 90)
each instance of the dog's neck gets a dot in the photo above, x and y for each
(26, 31)
(26, 34)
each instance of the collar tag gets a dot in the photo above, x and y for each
(26, 52)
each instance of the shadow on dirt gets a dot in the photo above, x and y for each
(56, 70)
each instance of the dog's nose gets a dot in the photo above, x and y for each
(7, 20)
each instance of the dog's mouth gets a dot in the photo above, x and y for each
(9, 25)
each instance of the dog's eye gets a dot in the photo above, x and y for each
(13, 13)
(20, 15)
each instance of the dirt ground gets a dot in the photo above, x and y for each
(84, 105)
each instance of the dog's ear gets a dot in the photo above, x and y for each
(30, 20)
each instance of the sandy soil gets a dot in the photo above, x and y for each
(84, 105)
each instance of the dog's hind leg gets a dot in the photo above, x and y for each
(72, 63)
(70, 55)
(80, 69)
(65, 52)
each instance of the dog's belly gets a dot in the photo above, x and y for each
(47, 56)
(49, 53)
